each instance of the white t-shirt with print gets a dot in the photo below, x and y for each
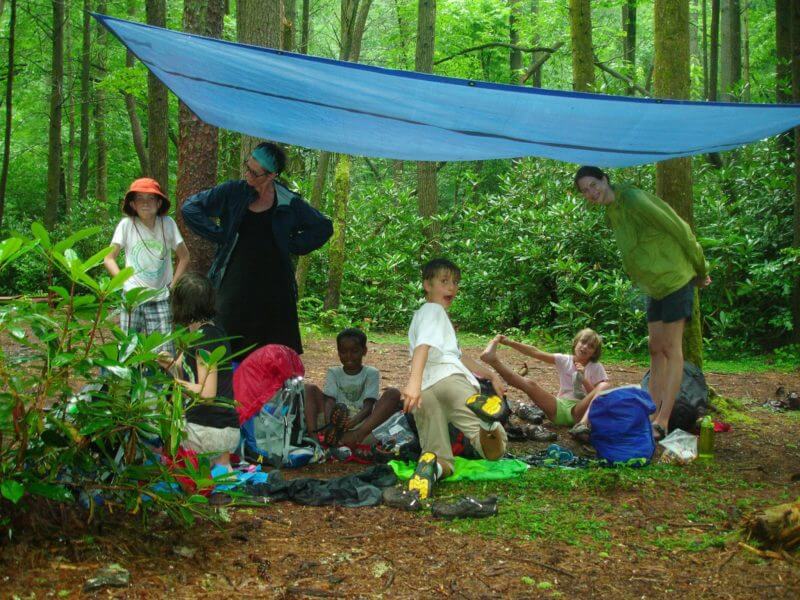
(594, 373)
(432, 327)
(149, 252)
(352, 390)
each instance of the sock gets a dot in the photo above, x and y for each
(438, 471)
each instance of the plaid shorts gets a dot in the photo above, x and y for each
(147, 318)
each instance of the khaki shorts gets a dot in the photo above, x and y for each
(210, 440)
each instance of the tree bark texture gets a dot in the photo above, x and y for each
(515, 55)
(100, 142)
(745, 5)
(795, 300)
(427, 189)
(137, 133)
(629, 41)
(258, 23)
(86, 97)
(730, 50)
(289, 24)
(336, 255)
(197, 141)
(56, 98)
(783, 51)
(12, 25)
(304, 30)
(674, 177)
(713, 54)
(580, 26)
(69, 158)
(157, 109)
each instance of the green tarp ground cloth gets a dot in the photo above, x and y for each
(468, 470)
(371, 111)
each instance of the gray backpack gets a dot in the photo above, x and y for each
(277, 434)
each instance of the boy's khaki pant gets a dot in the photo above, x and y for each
(442, 403)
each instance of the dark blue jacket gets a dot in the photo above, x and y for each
(298, 227)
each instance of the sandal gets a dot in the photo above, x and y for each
(659, 433)
(338, 425)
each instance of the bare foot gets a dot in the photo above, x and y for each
(489, 355)
(523, 370)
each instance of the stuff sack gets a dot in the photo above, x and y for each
(691, 404)
(270, 397)
(621, 429)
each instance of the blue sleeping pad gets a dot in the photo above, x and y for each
(621, 429)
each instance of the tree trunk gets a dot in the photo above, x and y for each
(197, 142)
(86, 98)
(783, 51)
(304, 31)
(536, 76)
(713, 58)
(580, 26)
(515, 55)
(69, 159)
(303, 263)
(674, 177)
(12, 24)
(693, 45)
(56, 97)
(341, 195)
(157, 108)
(258, 22)
(705, 48)
(796, 222)
(731, 50)
(629, 41)
(133, 115)
(100, 143)
(746, 51)
(289, 24)
(427, 190)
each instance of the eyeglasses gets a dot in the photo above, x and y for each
(253, 173)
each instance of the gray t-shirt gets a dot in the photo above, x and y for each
(352, 390)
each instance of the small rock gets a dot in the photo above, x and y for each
(185, 551)
(114, 575)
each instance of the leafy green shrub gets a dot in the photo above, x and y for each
(54, 447)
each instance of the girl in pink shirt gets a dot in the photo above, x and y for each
(581, 377)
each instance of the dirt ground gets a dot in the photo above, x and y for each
(665, 532)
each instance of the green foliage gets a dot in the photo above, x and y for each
(56, 445)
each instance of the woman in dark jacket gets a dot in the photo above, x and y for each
(261, 224)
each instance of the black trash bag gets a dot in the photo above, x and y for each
(691, 403)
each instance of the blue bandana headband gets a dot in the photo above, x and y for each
(265, 159)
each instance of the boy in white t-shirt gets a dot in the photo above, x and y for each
(442, 387)
(148, 237)
(581, 377)
(350, 405)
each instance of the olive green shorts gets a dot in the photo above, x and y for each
(564, 408)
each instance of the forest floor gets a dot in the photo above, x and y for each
(663, 530)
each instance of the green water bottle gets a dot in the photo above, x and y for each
(705, 448)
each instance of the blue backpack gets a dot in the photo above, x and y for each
(621, 429)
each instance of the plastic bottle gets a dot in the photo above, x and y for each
(705, 449)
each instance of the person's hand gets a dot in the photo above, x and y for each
(501, 339)
(165, 359)
(498, 384)
(412, 397)
(702, 281)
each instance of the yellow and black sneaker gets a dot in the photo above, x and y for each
(488, 407)
(425, 476)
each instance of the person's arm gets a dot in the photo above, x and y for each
(206, 386)
(110, 260)
(527, 350)
(182, 252)
(658, 214)
(481, 371)
(412, 394)
(313, 228)
(199, 211)
(366, 410)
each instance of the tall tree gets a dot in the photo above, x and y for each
(674, 177)
(536, 76)
(289, 25)
(427, 192)
(515, 54)
(304, 30)
(157, 108)
(259, 23)
(56, 97)
(197, 141)
(100, 142)
(86, 98)
(629, 41)
(713, 54)
(12, 27)
(783, 51)
(69, 159)
(730, 50)
(795, 301)
(353, 23)
(745, 50)
(580, 26)
(133, 114)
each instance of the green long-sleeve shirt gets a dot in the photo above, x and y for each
(659, 250)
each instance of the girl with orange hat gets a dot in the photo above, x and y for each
(149, 237)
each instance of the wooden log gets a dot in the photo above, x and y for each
(777, 526)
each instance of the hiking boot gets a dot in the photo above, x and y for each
(338, 425)
(401, 498)
(466, 508)
(425, 476)
(488, 408)
(529, 413)
(580, 432)
(537, 433)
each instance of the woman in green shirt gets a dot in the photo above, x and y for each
(662, 257)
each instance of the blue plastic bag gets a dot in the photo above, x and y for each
(621, 429)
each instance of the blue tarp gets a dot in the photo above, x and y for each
(371, 111)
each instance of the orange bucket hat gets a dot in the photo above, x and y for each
(145, 185)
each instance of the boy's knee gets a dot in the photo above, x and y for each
(391, 394)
